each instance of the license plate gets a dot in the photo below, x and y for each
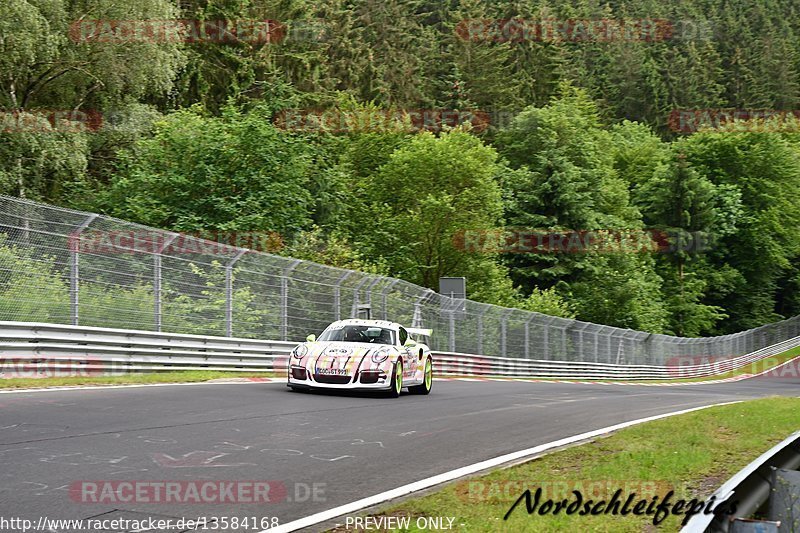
(332, 371)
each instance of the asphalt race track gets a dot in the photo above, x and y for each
(326, 450)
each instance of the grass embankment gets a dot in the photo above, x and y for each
(691, 454)
(187, 376)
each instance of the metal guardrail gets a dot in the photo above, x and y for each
(71, 267)
(448, 363)
(751, 488)
(56, 347)
(59, 347)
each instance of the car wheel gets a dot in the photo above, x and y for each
(427, 380)
(397, 380)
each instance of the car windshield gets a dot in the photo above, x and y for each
(354, 333)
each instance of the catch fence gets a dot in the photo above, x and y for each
(63, 266)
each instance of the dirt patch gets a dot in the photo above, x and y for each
(709, 484)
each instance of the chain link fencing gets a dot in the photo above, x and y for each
(70, 267)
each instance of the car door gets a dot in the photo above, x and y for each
(410, 356)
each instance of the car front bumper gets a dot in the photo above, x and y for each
(300, 377)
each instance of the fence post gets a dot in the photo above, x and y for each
(621, 346)
(503, 331)
(479, 332)
(528, 337)
(285, 299)
(337, 296)
(647, 345)
(417, 322)
(369, 293)
(385, 295)
(548, 325)
(357, 297)
(229, 292)
(74, 272)
(580, 344)
(564, 334)
(546, 340)
(157, 279)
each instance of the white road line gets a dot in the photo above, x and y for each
(465, 471)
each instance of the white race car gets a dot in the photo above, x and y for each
(363, 354)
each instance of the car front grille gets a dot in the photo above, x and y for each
(333, 380)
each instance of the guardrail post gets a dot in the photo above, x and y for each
(157, 279)
(285, 299)
(74, 270)
(229, 292)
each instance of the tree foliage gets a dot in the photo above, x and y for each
(188, 139)
(234, 172)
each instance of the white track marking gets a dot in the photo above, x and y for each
(465, 471)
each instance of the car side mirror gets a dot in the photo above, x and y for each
(311, 338)
(410, 342)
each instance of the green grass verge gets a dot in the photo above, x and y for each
(691, 454)
(187, 376)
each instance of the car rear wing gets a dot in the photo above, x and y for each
(420, 331)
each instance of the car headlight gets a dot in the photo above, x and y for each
(300, 351)
(381, 355)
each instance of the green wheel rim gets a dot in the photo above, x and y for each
(398, 380)
(428, 374)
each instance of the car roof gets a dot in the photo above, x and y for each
(364, 322)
